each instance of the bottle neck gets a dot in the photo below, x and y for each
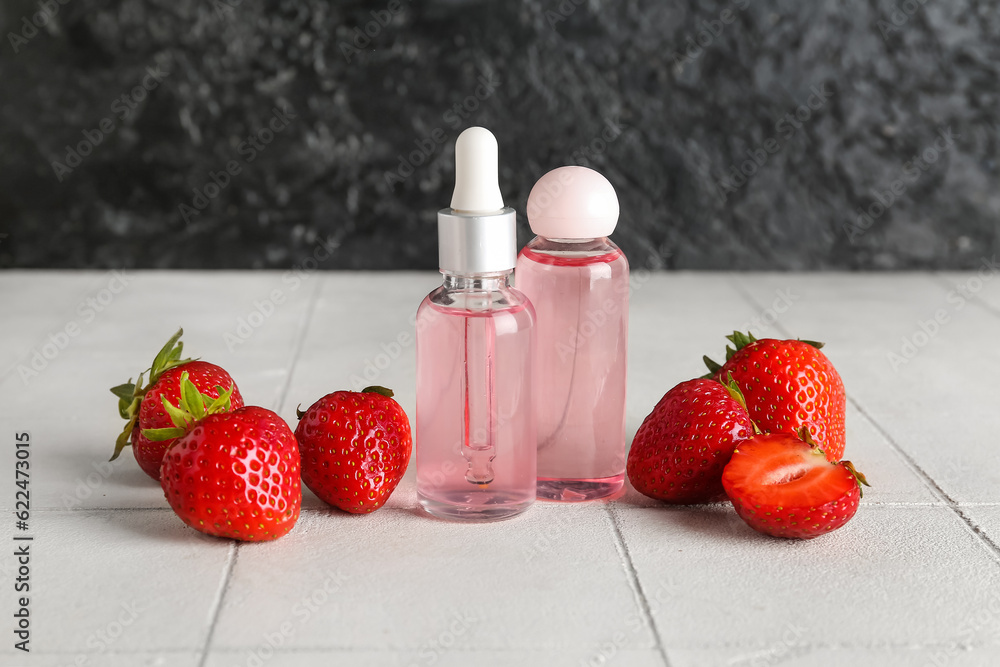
(572, 241)
(487, 282)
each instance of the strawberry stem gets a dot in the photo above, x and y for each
(194, 406)
(739, 340)
(130, 394)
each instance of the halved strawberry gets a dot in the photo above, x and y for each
(786, 487)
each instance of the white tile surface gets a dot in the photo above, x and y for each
(572, 657)
(902, 575)
(116, 581)
(109, 659)
(911, 581)
(487, 584)
(792, 655)
(938, 407)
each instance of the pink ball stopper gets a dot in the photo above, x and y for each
(573, 203)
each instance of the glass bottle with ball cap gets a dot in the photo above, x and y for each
(475, 442)
(578, 281)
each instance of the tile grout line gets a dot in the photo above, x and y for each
(234, 552)
(300, 342)
(217, 605)
(635, 584)
(984, 540)
(934, 487)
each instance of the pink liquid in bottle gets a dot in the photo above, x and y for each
(475, 424)
(579, 290)
(475, 446)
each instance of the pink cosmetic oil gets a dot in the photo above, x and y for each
(476, 439)
(578, 283)
(476, 457)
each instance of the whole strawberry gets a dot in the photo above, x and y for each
(681, 448)
(231, 474)
(355, 447)
(142, 406)
(788, 384)
(785, 487)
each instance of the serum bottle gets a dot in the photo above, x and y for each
(476, 442)
(578, 282)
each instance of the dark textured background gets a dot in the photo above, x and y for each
(563, 73)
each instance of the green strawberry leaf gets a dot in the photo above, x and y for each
(818, 346)
(161, 434)
(130, 394)
(166, 356)
(126, 391)
(192, 400)
(224, 403)
(375, 389)
(737, 395)
(193, 407)
(123, 438)
(179, 416)
(858, 476)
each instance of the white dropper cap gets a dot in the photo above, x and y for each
(477, 183)
(477, 234)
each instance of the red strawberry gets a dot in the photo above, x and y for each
(788, 384)
(232, 474)
(785, 487)
(143, 406)
(680, 450)
(355, 448)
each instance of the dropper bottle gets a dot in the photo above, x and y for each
(475, 444)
